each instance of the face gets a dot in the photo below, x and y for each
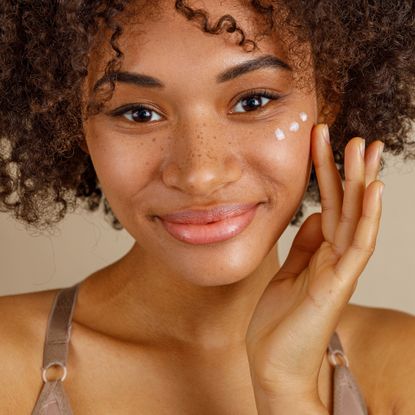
(201, 140)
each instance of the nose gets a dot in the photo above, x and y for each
(200, 162)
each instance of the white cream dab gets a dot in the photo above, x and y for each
(303, 116)
(294, 127)
(279, 134)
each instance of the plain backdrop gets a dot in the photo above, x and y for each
(85, 242)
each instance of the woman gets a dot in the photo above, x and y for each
(201, 124)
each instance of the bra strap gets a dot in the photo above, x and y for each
(347, 396)
(58, 332)
(52, 399)
(335, 349)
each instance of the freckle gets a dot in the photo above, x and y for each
(154, 139)
(294, 126)
(279, 134)
(303, 116)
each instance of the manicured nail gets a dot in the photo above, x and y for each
(326, 133)
(362, 148)
(380, 150)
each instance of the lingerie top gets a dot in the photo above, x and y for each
(53, 400)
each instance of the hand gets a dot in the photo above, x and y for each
(301, 307)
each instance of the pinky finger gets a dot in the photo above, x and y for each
(353, 261)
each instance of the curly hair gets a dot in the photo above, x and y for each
(362, 52)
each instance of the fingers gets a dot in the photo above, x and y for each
(305, 244)
(341, 210)
(354, 260)
(372, 161)
(329, 181)
(354, 189)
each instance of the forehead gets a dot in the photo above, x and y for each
(160, 39)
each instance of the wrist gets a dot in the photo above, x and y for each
(296, 404)
(297, 409)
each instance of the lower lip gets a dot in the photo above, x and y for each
(212, 232)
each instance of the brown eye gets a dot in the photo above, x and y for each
(255, 100)
(137, 114)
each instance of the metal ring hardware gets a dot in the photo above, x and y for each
(65, 372)
(332, 358)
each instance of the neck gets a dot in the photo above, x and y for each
(131, 300)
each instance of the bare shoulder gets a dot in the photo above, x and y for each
(22, 313)
(22, 331)
(381, 342)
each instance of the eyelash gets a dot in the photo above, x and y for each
(272, 96)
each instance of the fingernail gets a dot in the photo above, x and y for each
(326, 133)
(380, 150)
(362, 148)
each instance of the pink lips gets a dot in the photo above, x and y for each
(208, 226)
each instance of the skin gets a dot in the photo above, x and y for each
(176, 315)
(200, 154)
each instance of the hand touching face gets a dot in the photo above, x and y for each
(301, 307)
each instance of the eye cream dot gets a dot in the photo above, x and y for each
(279, 134)
(303, 116)
(294, 127)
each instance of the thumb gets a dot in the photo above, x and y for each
(305, 244)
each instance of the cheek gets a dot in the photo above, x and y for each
(124, 165)
(283, 152)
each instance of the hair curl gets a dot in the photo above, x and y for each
(363, 54)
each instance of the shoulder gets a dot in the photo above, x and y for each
(382, 343)
(22, 332)
(24, 312)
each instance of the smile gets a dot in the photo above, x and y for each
(221, 230)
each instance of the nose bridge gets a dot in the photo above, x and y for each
(200, 158)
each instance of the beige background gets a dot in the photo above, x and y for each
(86, 242)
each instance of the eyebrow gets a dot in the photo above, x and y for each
(142, 80)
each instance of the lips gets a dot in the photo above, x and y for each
(209, 226)
(218, 213)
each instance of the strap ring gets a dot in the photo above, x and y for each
(65, 372)
(332, 358)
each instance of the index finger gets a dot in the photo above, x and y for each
(329, 181)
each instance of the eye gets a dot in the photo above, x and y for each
(252, 100)
(137, 113)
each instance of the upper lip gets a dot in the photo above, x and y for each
(203, 216)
